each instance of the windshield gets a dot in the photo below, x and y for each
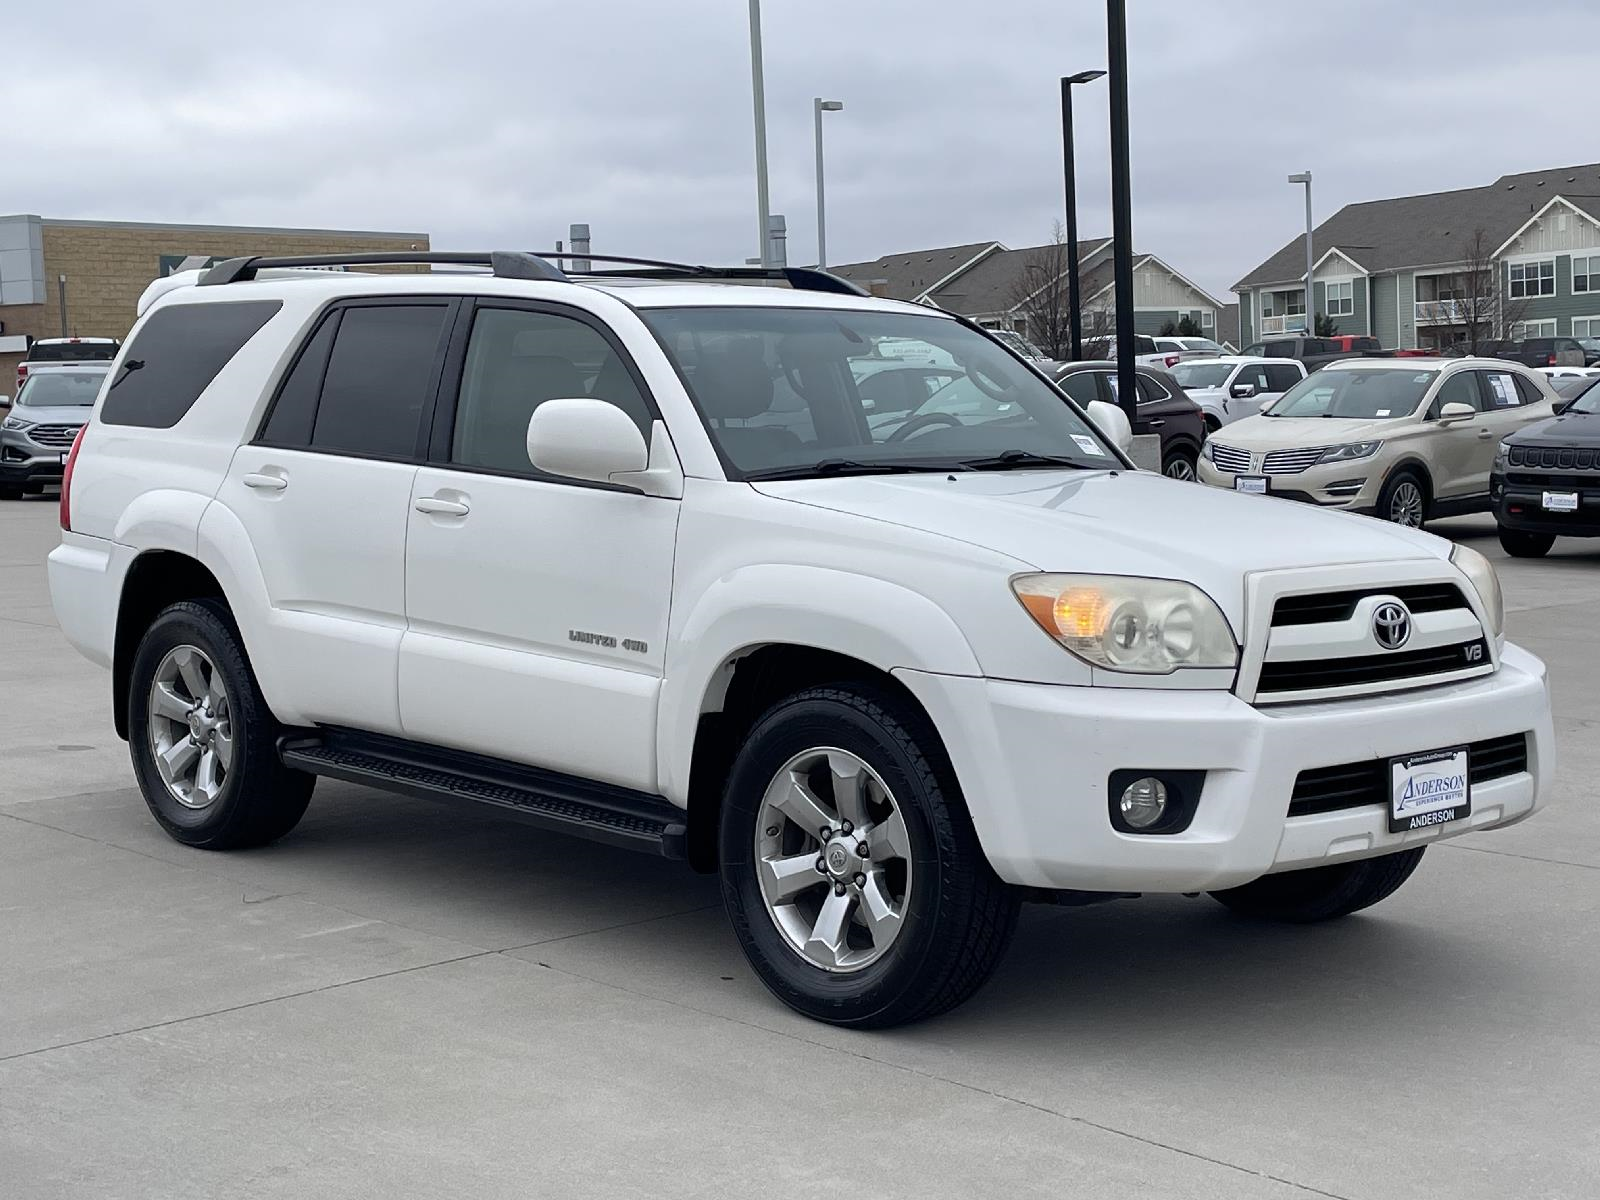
(1202, 374)
(1016, 343)
(780, 391)
(72, 352)
(1196, 343)
(1357, 395)
(1588, 401)
(61, 389)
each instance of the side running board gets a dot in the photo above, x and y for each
(598, 811)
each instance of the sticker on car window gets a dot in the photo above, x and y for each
(1382, 412)
(1088, 445)
(1421, 377)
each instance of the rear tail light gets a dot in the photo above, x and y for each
(22, 373)
(66, 480)
(1550, 361)
(1174, 359)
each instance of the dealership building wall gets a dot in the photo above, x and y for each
(108, 264)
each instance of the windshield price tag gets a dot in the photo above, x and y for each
(1088, 445)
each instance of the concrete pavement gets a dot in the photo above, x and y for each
(404, 1000)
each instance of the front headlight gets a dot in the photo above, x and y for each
(1350, 450)
(1501, 454)
(1123, 623)
(15, 423)
(1481, 572)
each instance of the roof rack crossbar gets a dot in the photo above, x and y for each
(506, 264)
(807, 279)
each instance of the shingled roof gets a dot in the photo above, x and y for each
(910, 274)
(987, 286)
(1433, 229)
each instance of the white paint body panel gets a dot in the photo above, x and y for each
(459, 628)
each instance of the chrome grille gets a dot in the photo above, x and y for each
(1230, 458)
(1292, 462)
(1555, 458)
(54, 435)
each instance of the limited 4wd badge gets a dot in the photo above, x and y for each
(1428, 789)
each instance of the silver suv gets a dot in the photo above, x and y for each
(37, 433)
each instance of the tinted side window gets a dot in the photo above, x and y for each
(1081, 387)
(1461, 388)
(378, 380)
(175, 356)
(516, 360)
(1527, 390)
(1281, 378)
(1278, 350)
(1499, 390)
(1149, 389)
(294, 410)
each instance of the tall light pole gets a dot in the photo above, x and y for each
(1074, 299)
(758, 89)
(818, 107)
(1311, 321)
(1121, 203)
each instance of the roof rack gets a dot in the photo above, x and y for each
(506, 264)
(519, 264)
(805, 279)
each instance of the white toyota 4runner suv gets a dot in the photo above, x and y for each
(626, 555)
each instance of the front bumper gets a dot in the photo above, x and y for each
(1518, 500)
(1348, 486)
(1034, 760)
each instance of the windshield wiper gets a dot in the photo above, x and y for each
(1021, 458)
(849, 466)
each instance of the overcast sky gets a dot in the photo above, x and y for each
(492, 123)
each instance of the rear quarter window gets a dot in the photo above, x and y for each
(175, 356)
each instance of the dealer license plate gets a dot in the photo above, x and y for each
(1256, 485)
(1428, 789)
(1561, 501)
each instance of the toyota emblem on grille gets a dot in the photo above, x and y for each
(1391, 625)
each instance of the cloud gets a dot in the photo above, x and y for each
(498, 123)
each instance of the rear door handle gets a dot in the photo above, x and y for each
(266, 482)
(439, 507)
(1157, 424)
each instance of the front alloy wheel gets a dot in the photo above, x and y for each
(834, 859)
(1405, 504)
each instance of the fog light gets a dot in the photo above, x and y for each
(1143, 802)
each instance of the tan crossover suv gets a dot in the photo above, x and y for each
(1402, 439)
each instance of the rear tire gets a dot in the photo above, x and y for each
(1404, 499)
(1322, 893)
(194, 702)
(921, 920)
(1181, 464)
(1522, 544)
(10, 493)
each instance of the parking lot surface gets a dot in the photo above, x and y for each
(407, 1000)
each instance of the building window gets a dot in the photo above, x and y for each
(1586, 274)
(1533, 279)
(1523, 330)
(1294, 303)
(1208, 319)
(1586, 327)
(1341, 299)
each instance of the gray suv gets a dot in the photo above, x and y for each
(38, 431)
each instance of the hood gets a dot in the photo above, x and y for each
(52, 414)
(1288, 433)
(1569, 429)
(1118, 523)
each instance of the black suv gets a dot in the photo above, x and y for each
(1546, 352)
(1546, 478)
(1164, 408)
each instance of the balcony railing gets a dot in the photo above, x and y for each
(1293, 322)
(1450, 312)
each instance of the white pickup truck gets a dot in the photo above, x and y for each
(625, 556)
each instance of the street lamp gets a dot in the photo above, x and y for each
(818, 107)
(1305, 178)
(1074, 300)
(758, 89)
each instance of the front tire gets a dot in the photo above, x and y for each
(1404, 499)
(1522, 544)
(1180, 464)
(203, 741)
(1322, 893)
(850, 870)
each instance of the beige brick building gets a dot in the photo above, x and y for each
(107, 264)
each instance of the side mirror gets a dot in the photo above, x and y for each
(1242, 391)
(1110, 420)
(1456, 411)
(585, 439)
(1559, 407)
(5, 401)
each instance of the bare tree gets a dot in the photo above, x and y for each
(1039, 293)
(1098, 334)
(1482, 304)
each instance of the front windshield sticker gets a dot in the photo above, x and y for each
(1383, 412)
(1087, 445)
(1422, 377)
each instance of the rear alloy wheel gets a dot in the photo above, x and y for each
(1522, 544)
(1403, 501)
(1180, 464)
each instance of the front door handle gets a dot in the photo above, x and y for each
(1485, 434)
(1157, 424)
(438, 506)
(265, 481)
